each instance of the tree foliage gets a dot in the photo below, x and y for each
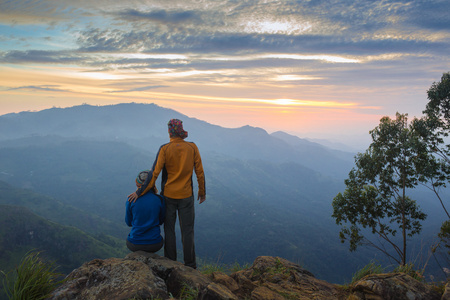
(434, 129)
(376, 197)
(438, 107)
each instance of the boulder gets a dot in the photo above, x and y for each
(216, 291)
(274, 277)
(139, 275)
(112, 279)
(393, 286)
(142, 275)
(225, 280)
(263, 293)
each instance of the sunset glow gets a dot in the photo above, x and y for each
(313, 70)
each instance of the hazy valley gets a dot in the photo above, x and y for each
(267, 194)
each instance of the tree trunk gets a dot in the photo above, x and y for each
(404, 219)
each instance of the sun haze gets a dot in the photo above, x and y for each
(324, 70)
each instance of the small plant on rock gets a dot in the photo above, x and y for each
(410, 270)
(212, 267)
(188, 293)
(279, 268)
(32, 279)
(371, 268)
(238, 267)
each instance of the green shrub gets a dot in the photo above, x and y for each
(409, 269)
(210, 267)
(238, 267)
(188, 293)
(33, 279)
(279, 268)
(371, 268)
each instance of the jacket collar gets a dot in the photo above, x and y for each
(176, 139)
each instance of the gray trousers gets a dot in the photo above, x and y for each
(186, 217)
(147, 248)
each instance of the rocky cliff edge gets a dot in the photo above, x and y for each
(143, 275)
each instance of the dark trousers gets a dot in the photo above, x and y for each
(186, 217)
(147, 248)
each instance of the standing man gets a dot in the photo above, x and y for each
(177, 160)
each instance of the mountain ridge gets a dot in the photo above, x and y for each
(145, 126)
(266, 195)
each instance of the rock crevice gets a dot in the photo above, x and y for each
(143, 275)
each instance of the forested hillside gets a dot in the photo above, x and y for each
(266, 194)
(22, 230)
(61, 213)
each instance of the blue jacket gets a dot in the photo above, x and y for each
(145, 217)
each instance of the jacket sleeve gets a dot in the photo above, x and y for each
(198, 167)
(162, 211)
(150, 182)
(128, 213)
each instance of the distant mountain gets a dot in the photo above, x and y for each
(330, 158)
(253, 207)
(267, 194)
(145, 126)
(333, 144)
(107, 122)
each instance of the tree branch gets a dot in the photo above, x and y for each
(370, 243)
(433, 189)
(385, 237)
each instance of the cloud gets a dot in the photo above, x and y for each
(139, 89)
(39, 56)
(263, 47)
(432, 15)
(184, 41)
(161, 16)
(329, 27)
(35, 11)
(47, 88)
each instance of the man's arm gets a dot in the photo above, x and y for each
(158, 165)
(198, 167)
(151, 179)
(162, 211)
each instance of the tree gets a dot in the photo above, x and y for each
(438, 107)
(436, 172)
(376, 198)
(434, 129)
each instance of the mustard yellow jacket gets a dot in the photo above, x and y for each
(177, 160)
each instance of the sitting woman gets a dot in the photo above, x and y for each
(144, 216)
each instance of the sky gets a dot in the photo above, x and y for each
(316, 69)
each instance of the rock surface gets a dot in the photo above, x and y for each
(446, 295)
(143, 275)
(396, 286)
(277, 278)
